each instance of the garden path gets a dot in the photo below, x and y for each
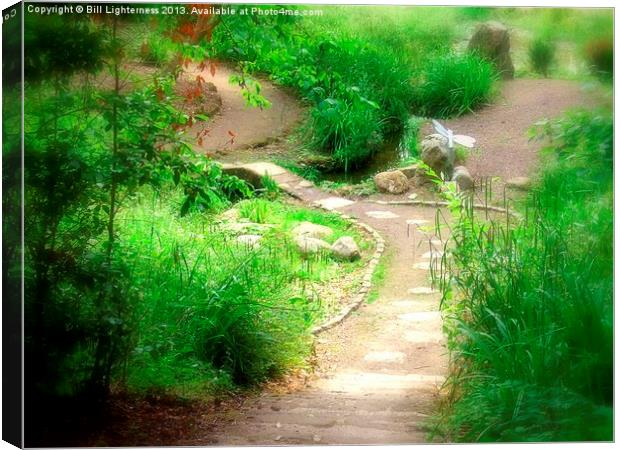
(501, 129)
(251, 129)
(379, 371)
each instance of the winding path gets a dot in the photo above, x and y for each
(379, 371)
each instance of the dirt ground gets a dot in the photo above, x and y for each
(503, 147)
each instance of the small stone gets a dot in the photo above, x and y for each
(463, 178)
(309, 246)
(331, 203)
(312, 230)
(520, 183)
(392, 182)
(316, 438)
(277, 438)
(412, 196)
(346, 249)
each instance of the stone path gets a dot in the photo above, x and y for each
(379, 371)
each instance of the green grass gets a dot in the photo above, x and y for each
(531, 303)
(452, 85)
(541, 53)
(215, 314)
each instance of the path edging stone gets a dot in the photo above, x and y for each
(362, 293)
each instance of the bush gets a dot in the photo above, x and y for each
(452, 85)
(541, 53)
(600, 56)
(532, 310)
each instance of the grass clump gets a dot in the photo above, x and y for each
(531, 303)
(541, 53)
(409, 142)
(452, 85)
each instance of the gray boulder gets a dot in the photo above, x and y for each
(492, 41)
(437, 155)
(345, 249)
(309, 245)
(392, 182)
(463, 178)
(312, 230)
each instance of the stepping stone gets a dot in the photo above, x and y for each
(418, 337)
(388, 357)
(382, 214)
(426, 316)
(263, 168)
(250, 240)
(364, 382)
(332, 203)
(432, 254)
(422, 290)
(305, 184)
(417, 222)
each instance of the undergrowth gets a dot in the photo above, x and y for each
(530, 303)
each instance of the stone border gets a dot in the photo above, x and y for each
(443, 203)
(362, 293)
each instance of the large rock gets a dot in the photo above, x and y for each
(312, 230)
(393, 182)
(463, 178)
(310, 246)
(492, 41)
(409, 171)
(436, 154)
(346, 249)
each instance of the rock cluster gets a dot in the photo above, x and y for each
(308, 237)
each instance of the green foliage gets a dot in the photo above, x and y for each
(600, 56)
(87, 154)
(531, 302)
(541, 53)
(409, 141)
(156, 49)
(452, 85)
(216, 313)
(358, 91)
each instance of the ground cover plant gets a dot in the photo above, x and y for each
(532, 297)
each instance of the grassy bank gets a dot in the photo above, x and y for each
(530, 304)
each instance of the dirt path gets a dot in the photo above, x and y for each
(379, 371)
(252, 129)
(501, 129)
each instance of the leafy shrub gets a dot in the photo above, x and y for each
(156, 50)
(452, 85)
(531, 304)
(600, 56)
(541, 53)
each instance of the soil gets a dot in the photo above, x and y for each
(501, 129)
(243, 133)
